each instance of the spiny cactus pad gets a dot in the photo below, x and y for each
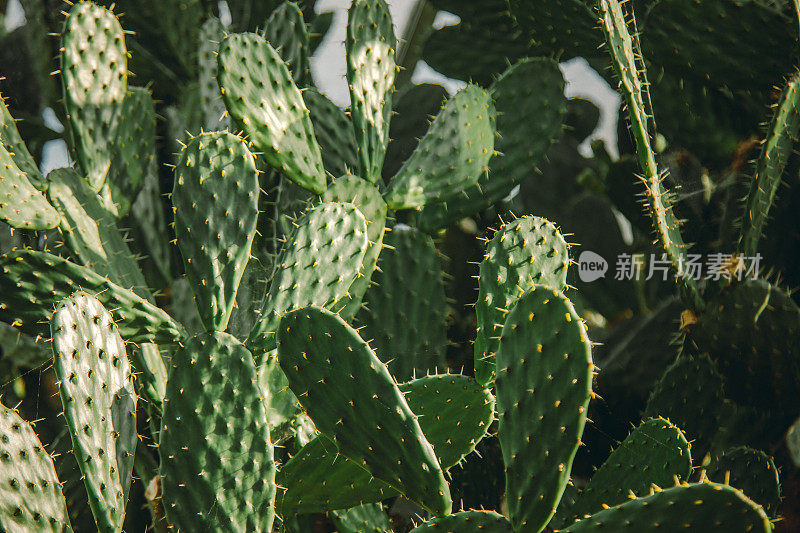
(405, 309)
(215, 199)
(453, 154)
(134, 148)
(334, 133)
(350, 396)
(212, 108)
(559, 26)
(317, 266)
(657, 198)
(99, 403)
(533, 87)
(690, 395)
(748, 45)
(467, 522)
(523, 253)
(783, 133)
(286, 31)
(21, 205)
(30, 493)
(710, 507)
(544, 380)
(370, 46)
(368, 200)
(217, 466)
(263, 100)
(91, 232)
(747, 330)
(32, 283)
(454, 414)
(655, 453)
(94, 70)
(11, 140)
(751, 471)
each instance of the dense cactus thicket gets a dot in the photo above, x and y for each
(243, 308)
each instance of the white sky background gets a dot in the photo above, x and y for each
(328, 69)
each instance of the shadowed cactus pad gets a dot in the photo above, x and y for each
(217, 463)
(710, 507)
(655, 453)
(406, 309)
(32, 283)
(467, 522)
(454, 414)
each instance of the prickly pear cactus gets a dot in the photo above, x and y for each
(99, 401)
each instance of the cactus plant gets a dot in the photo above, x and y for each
(330, 331)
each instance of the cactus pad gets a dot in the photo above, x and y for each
(91, 231)
(453, 154)
(99, 403)
(544, 379)
(21, 205)
(655, 453)
(467, 522)
(260, 95)
(286, 31)
(217, 466)
(405, 309)
(454, 414)
(697, 507)
(526, 252)
(334, 133)
(215, 199)
(690, 395)
(94, 70)
(751, 471)
(530, 103)
(371, 68)
(11, 140)
(30, 493)
(317, 266)
(367, 199)
(32, 283)
(350, 396)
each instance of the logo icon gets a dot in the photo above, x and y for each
(591, 266)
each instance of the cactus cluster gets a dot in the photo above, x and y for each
(247, 309)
